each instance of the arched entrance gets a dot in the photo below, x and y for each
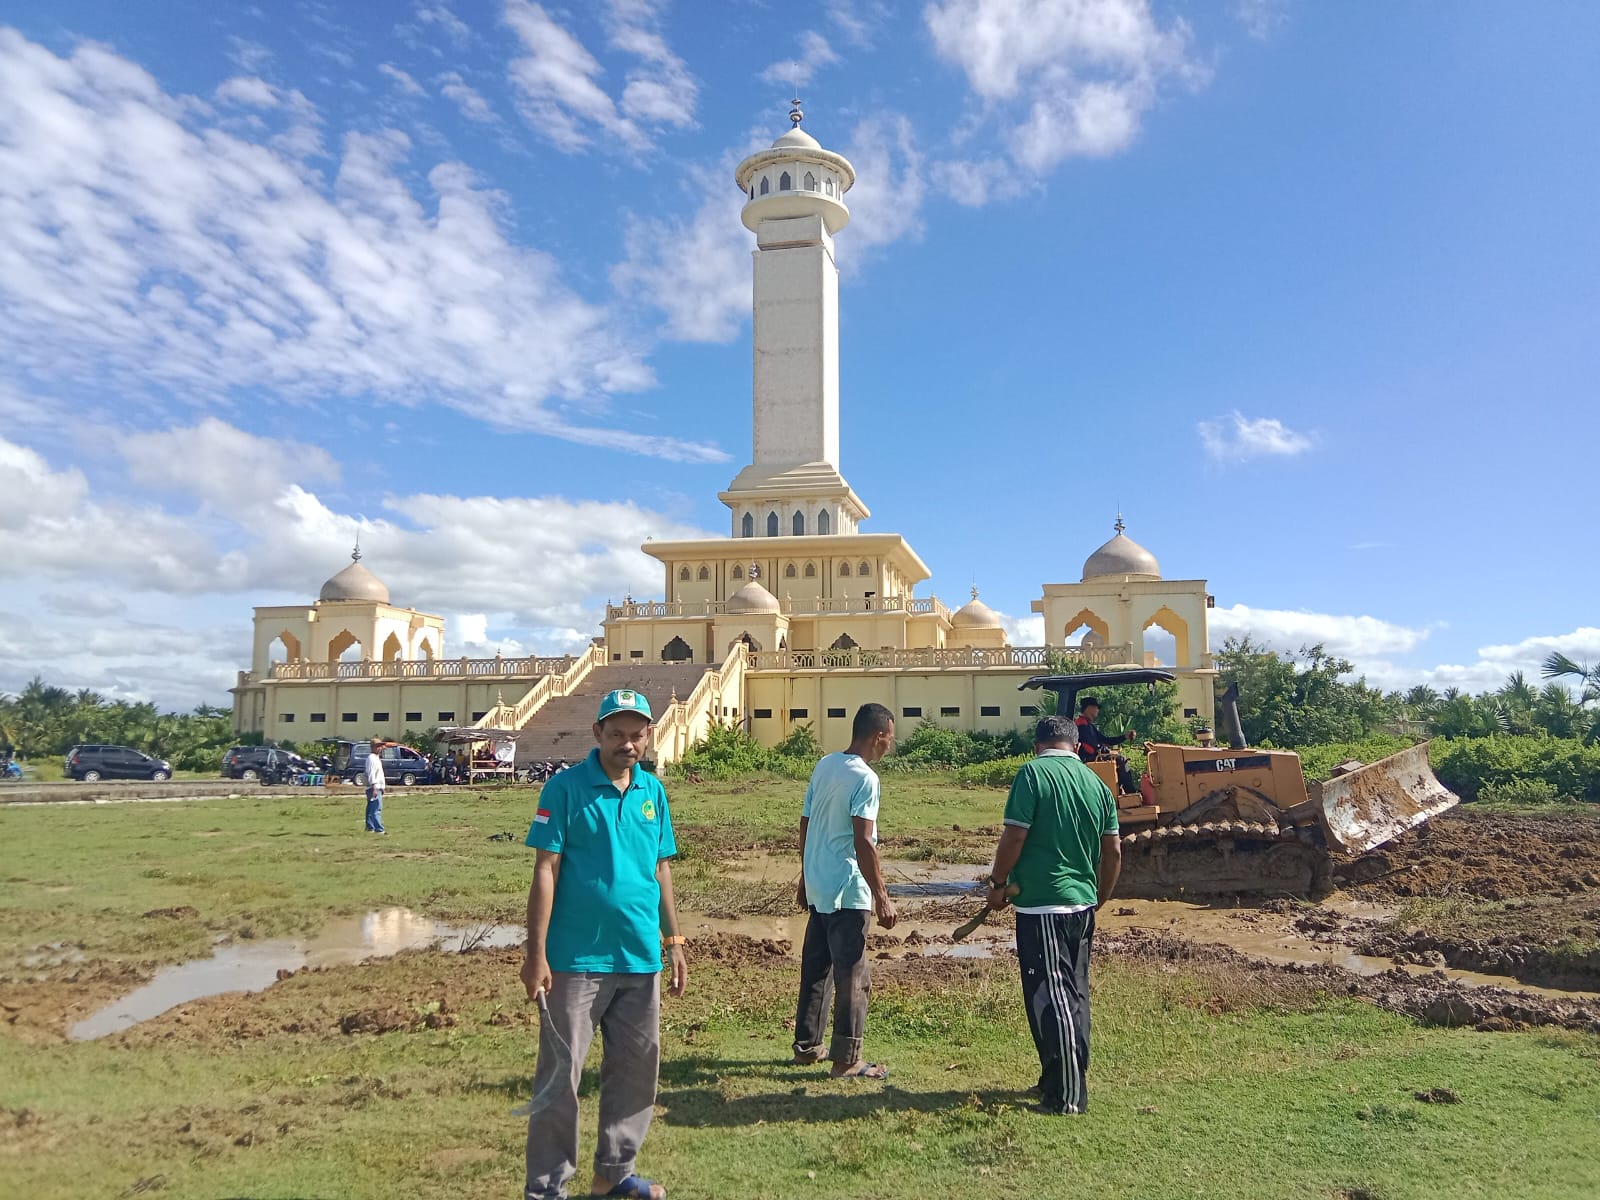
(1164, 618)
(1085, 619)
(289, 644)
(344, 647)
(677, 650)
(392, 649)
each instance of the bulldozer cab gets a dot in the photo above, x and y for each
(1067, 687)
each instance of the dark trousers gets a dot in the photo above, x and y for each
(1053, 951)
(833, 962)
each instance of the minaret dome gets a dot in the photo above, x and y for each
(795, 178)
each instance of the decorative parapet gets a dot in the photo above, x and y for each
(636, 610)
(929, 658)
(438, 668)
(557, 683)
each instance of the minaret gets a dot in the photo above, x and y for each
(794, 205)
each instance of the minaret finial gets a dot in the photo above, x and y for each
(1119, 526)
(974, 591)
(355, 555)
(795, 115)
(755, 571)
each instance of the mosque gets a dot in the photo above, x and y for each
(798, 616)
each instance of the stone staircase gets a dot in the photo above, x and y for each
(562, 728)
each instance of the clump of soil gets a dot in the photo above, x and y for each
(1489, 856)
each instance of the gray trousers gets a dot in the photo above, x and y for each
(627, 1011)
(833, 966)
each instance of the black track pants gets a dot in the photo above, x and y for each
(1053, 950)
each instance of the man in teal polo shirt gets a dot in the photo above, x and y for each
(599, 909)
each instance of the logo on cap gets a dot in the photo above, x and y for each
(624, 700)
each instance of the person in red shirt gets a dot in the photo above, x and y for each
(1093, 745)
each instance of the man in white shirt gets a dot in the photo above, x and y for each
(841, 884)
(374, 777)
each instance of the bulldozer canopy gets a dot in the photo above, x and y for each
(1067, 687)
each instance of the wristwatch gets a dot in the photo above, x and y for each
(994, 885)
(676, 939)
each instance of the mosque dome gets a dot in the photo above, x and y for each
(355, 582)
(1121, 556)
(797, 137)
(975, 614)
(753, 598)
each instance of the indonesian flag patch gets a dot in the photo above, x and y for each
(542, 817)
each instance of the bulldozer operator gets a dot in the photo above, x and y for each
(1094, 745)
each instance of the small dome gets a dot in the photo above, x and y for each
(753, 598)
(975, 614)
(1121, 556)
(797, 137)
(355, 582)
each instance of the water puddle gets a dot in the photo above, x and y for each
(254, 966)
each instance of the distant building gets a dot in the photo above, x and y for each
(797, 617)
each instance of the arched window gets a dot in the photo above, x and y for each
(738, 572)
(811, 182)
(677, 650)
(788, 571)
(765, 186)
(748, 525)
(864, 569)
(705, 573)
(828, 185)
(798, 525)
(844, 569)
(824, 522)
(752, 191)
(683, 574)
(785, 184)
(772, 524)
(843, 642)
(811, 570)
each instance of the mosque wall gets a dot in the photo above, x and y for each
(288, 710)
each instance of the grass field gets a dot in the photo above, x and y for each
(1207, 1081)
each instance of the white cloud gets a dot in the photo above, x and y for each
(227, 468)
(402, 79)
(247, 90)
(439, 15)
(977, 182)
(465, 97)
(815, 53)
(1063, 78)
(886, 201)
(1261, 18)
(556, 84)
(85, 602)
(1528, 656)
(1237, 438)
(1024, 631)
(143, 250)
(660, 90)
(858, 20)
(1357, 638)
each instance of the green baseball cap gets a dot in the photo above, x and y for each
(624, 700)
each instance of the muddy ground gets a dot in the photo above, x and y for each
(1517, 898)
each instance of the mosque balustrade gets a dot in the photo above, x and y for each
(438, 668)
(929, 657)
(805, 606)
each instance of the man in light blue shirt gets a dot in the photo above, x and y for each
(841, 883)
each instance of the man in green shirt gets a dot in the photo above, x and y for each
(1060, 848)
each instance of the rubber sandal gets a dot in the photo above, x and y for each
(634, 1187)
(865, 1071)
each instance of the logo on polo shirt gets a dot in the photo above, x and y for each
(542, 817)
(649, 810)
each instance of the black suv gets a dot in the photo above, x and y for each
(266, 763)
(94, 763)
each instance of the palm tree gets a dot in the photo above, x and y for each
(1559, 666)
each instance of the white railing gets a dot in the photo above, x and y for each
(648, 609)
(437, 668)
(688, 720)
(928, 657)
(515, 716)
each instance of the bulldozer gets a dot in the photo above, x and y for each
(1237, 820)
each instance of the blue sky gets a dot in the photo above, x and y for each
(1309, 292)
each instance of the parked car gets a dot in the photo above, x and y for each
(401, 764)
(93, 763)
(263, 762)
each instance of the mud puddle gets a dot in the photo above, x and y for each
(255, 966)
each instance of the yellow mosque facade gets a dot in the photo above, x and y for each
(798, 616)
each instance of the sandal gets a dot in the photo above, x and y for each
(809, 1058)
(634, 1187)
(865, 1070)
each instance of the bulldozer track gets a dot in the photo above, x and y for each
(1210, 830)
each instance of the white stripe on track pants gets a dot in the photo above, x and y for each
(1053, 951)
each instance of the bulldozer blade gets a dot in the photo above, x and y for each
(1379, 802)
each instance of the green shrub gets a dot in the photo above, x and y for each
(997, 772)
(1519, 791)
(728, 752)
(1317, 762)
(1467, 766)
